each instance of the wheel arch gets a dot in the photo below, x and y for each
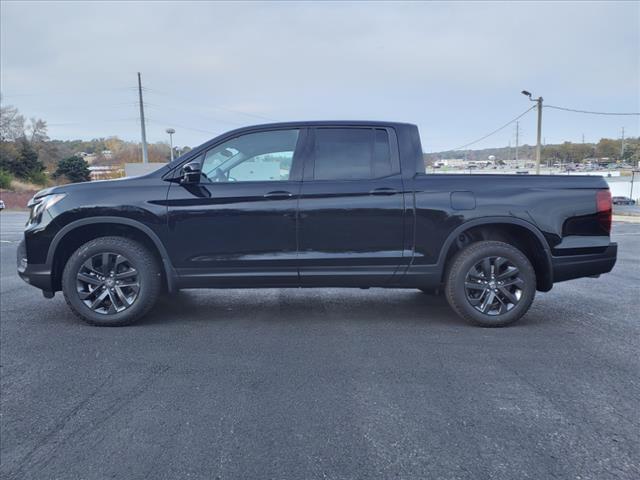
(517, 232)
(76, 233)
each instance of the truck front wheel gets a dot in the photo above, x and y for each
(111, 281)
(490, 284)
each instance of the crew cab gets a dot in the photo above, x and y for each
(315, 204)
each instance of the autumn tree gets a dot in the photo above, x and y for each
(608, 148)
(37, 131)
(12, 124)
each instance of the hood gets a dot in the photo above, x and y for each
(98, 184)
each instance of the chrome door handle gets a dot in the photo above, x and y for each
(383, 191)
(278, 195)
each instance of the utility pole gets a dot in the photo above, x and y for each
(622, 145)
(538, 144)
(583, 138)
(145, 154)
(517, 141)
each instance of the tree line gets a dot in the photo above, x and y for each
(29, 155)
(563, 153)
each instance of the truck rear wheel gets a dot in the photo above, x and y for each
(490, 284)
(111, 281)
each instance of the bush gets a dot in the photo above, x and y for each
(74, 168)
(38, 177)
(26, 164)
(5, 179)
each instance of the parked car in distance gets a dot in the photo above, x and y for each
(2, 206)
(623, 201)
(315, 204)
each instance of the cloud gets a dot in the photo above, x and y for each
(455, 69)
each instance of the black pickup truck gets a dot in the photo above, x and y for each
(315, 204)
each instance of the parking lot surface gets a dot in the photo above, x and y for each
(633, 210)
(331, 383)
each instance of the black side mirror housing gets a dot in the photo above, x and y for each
(191, 173)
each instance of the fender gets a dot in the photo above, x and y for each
(547, 282)
(169, 271)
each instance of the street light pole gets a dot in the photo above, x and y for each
(539, 143)
(171, 131)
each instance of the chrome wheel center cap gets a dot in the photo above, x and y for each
(110, 282)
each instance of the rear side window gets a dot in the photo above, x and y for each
(351, 153)
(381, 154)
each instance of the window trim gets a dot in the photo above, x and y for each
(310, 160)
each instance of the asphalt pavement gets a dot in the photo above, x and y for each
(330, 383)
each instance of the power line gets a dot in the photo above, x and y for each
(69, 93)
(161, 122)
(206, 117)
(495, 131)
(91, 122)
(77, 106)
(229, 110)
(588, 111)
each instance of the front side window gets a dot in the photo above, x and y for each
(351, 153)
(254, 157)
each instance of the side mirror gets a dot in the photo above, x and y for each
(191, 173)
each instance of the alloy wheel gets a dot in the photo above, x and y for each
(108, 283)
(494, 286)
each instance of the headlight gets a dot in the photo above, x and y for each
(40, 204)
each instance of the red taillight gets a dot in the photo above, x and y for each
(603, 207)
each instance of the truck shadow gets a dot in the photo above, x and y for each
(302, 306)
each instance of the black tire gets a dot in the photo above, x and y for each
(461, 290)
(142, 295)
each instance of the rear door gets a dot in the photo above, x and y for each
(351, 207)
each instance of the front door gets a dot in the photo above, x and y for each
(351, 208)
(238, 225)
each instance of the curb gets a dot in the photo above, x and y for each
(626, 218)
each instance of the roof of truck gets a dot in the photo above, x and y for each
(297, 124)
(314, 123)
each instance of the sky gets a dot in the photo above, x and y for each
(454, 69)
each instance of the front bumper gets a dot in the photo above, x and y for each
(576, 266)
(38, 275)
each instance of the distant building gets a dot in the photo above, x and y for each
(600, 161)
(103, 172)
(449, 162)
(461, 163)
